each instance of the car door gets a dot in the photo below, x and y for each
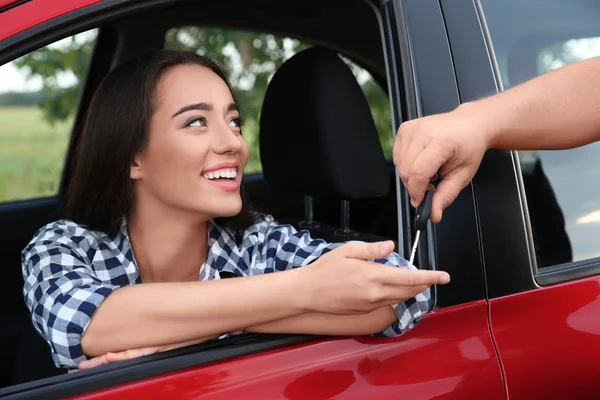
(449, 355)
(537, 210)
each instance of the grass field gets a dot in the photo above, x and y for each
(31, 153)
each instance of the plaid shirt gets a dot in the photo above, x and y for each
(69, 270)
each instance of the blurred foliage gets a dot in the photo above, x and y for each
(67, 59)
(250, 59)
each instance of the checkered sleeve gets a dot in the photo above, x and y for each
(284, 248)
(61, 290)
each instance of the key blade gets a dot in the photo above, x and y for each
(414, 248)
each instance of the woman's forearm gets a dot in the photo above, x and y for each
(154, 314)
(557, 110)
(328, 324)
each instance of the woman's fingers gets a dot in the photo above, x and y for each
(118, 356)
(364, 251)
(93, 362)
(394, 294)
(135, 353)
(404, 277)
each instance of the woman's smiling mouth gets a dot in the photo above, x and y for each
(223, 176)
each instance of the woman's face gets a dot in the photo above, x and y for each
(195, 154)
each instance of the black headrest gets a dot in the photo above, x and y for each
(317, 135)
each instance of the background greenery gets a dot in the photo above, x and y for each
(35, 126)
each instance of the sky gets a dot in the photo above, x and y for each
(13, 79)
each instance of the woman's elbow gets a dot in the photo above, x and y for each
(90, 345)
(380, 320)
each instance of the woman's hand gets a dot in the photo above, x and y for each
(135, 353)
(120, 356)
(343, 282)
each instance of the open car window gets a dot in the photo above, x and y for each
(39, 96)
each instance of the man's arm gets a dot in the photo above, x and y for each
(557, 110)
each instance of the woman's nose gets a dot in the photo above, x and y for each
(227, 140)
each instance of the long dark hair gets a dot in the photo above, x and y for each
(116, 127)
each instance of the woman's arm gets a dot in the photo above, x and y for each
(81, 315)
(157, 313)
(330, 324)
(285, 248)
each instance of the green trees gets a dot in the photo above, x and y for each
(249, 59)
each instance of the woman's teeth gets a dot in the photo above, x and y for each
(227, 173)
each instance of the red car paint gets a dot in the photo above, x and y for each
(35, 12)
(550, 335)
(449, 356)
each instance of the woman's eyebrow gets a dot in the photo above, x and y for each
(197, 106)
(203, 107)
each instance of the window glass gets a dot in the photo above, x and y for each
(38, 100)
(250, 60)
(530, 38)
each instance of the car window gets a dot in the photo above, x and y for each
(250, 60)
(530, 38)
(38, 100)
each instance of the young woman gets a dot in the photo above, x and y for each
(155, 199)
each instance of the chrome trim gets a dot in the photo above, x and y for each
(515, 156)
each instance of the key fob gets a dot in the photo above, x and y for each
(423, 211)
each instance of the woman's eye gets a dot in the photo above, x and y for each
(236, 123)
(196, 122)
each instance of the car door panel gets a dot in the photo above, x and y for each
(448, 356)
(549, 340)
(546, 332)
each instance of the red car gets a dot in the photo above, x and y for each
(521, 316)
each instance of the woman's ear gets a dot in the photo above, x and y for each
(135, 170)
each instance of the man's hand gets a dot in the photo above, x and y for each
(450, 144)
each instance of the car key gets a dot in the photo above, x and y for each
(421, 218)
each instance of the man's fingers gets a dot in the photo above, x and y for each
(407, 147)
(367, 251)
(401, 143)
(420, 173)
(447, 191)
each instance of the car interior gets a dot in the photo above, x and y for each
(325, 171)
